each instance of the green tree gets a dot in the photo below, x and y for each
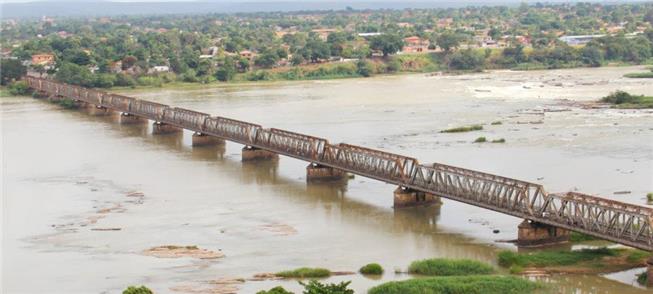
(591, 56)
(227, 71)
(387, 43)
(448, 41)
(466, 60)
(10, 70)
(75, 74)
(267, 59)
(364, 68)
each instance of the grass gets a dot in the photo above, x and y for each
(502, 140)
(623, 99)
(640, 75)
(580, 237)
(371, 269)
(480, 140)
(463, 129)
(637, 256)
(554, 258)
(468, 285)
(448, 267)
(305, 272)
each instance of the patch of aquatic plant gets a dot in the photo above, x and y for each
(463, 129)
(449, 267)
(467, 285)
(623, 99)
(315, 287)
(494, 123)
(480, 140)
(305, 272)
(371, 269)
(137, 290)
(649, 196)
(275, 290)
(553, 258)
(502, 140)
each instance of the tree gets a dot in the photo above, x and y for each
(466, 60)
(448, 41)
(387, 43)
(10, 70)
(75, 74)
(591, 56)
(297, 59)
(267, 59)
(227, 71)
(364, 68)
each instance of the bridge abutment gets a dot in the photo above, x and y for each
(159, 128)
(128, 118)
(406, 197)
(200, 139)
(532, 234)
(251, 153)
(320, 173)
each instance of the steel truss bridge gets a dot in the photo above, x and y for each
(611, 220)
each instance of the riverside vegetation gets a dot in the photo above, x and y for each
(621, 99)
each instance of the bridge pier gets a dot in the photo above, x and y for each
(200, 139)
(406, 197)
(97, 110)
(532, 234)
(252, 153)
(159, 128)
(320, 173)
(128, 118)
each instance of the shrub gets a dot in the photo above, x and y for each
(305, 272)
(516, 269)
(137, 290)
(275, 290)
(371, 269)
(463, 129)
(315, 287)
(364, 68)
(447, 267)
(467, 285)
(124, 80)
(494, 123)
(19, 88)
(642, 278)
(580, 237)
(480, 140)
(67, 103)
(649, 196)
(104, 81)
(502, 140)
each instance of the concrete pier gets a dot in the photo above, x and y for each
(126, 118)
(532, 234)
(159, 128)
(406, 197)
(252, 153)
(320, 173)
(200, 139)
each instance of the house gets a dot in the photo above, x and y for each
(42, 59)
(415, 44)
(323, 33)
(247, 54)
(158, 69)
(579, 40)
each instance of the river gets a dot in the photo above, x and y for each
(66, 173)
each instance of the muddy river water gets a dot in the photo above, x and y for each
(83, 196)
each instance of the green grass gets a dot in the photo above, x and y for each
(622, 99)
(502, 140)
(371, 269)
(480, 140)
(137, 290)
(305, 272)
(455, 285)
(553, 258)
(640, 75)
(275, 290)
(637, 256)
(449, 267)
(580, 237)
(463, 129)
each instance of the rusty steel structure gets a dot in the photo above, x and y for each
(623, 223)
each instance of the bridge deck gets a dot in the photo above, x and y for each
(620, 222)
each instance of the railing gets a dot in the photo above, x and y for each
(620, 222)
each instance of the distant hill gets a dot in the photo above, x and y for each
(106, 8)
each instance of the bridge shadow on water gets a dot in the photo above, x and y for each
(414, 222)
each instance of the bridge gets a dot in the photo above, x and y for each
(548, 217)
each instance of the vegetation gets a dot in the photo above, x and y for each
(371, 269)
(642, 278)
(480, 140)
(463, 129)
(468, 285)
(446, 267)
(67, 103)
(315, 287)
(649, 196)
(640, 75)
(502, 140)
(494, 123)
(275, 290)
(305, 272)
(137, 290)
(19, 88)
(12, 69)
(625, 100)
(580, 237)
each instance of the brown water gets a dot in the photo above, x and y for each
(62, 167)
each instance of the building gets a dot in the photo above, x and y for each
(579, 40)
(158, 69)
(42, 59)
(247, 54)
(415, 44)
